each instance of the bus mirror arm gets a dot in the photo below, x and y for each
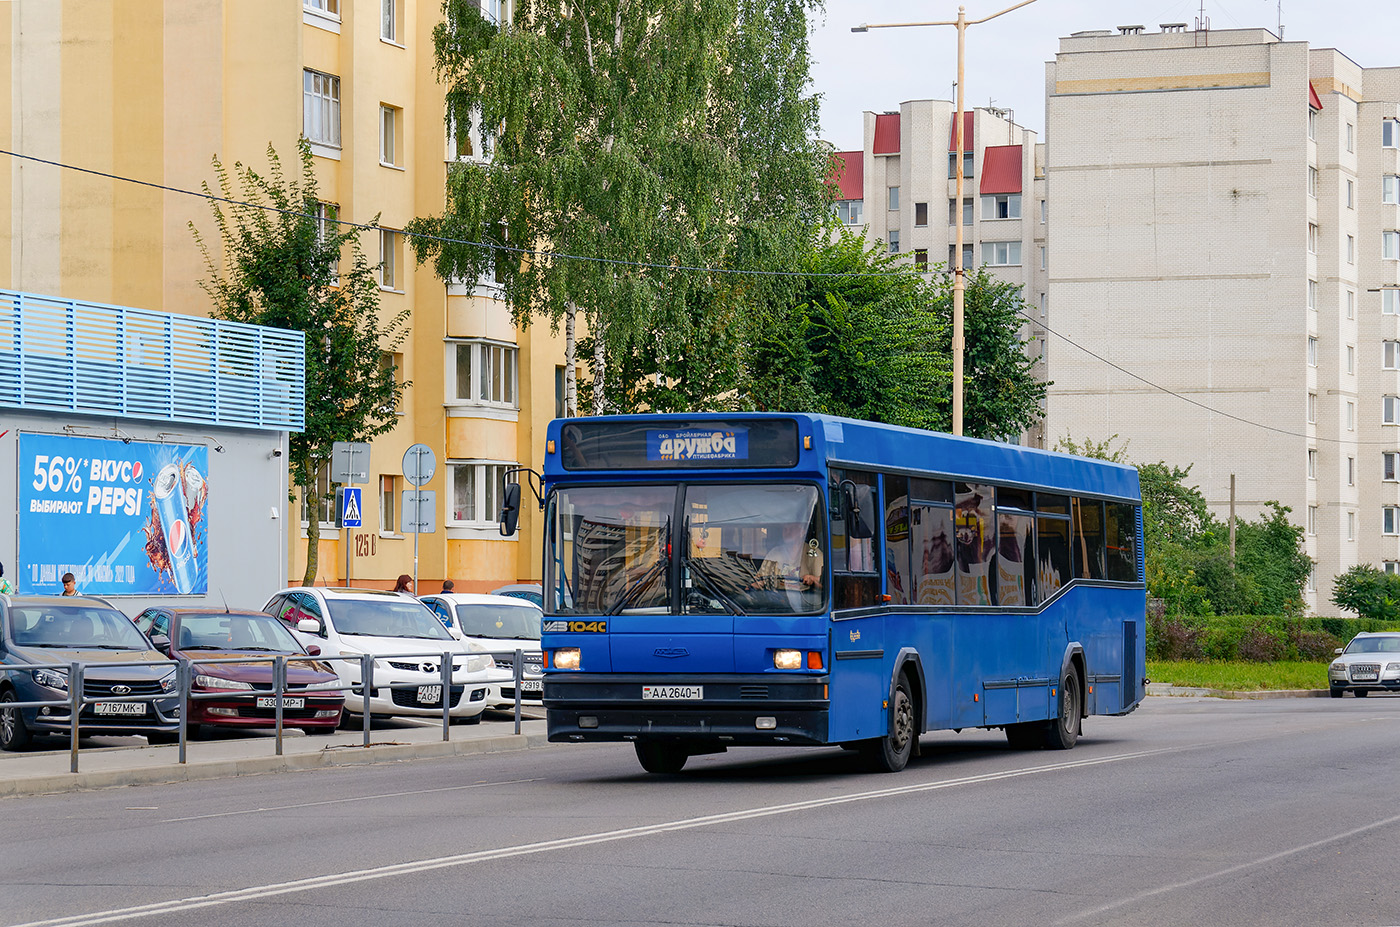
(510, 497)
(852, 511)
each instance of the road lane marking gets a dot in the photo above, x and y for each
(338, 801)
(1228, 871)
(270, 890)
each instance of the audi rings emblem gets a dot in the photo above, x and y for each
(121, 690)
(427, 667)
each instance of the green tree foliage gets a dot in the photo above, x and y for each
(647, 136)
(1369, 592)
(280, 266)
(1187, 547)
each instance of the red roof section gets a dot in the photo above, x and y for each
(1313, 101)
(1001, 169)
(967, 132)
(852, 175)
(887, 133)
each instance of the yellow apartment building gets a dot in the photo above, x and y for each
(113, 114)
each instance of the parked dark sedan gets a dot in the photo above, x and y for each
(200, 634)
(40, 636)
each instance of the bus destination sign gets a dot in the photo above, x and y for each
(698, 444)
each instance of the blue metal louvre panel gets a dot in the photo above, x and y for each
(96, 358)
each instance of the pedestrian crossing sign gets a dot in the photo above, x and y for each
(351, 513)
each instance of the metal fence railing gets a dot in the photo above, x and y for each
(279, 694)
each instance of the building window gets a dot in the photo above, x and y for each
(389, 20)
(1389, 460)
(1312, 408)
(1312, 519)
(1390, 245)
(1351, 471)
(1390, 355)
(483, 372)
(327, 227)
(1312, 238)
(473, 143)
(848, 211)
(393, 363)
(1351, 194)
(1312, 181)
(1001, 253)
(1042, 257)
(390, 135)
(476, 492)
(320, 108)
(1042, 212)
(1390, 133)
(1312, 294)
(327, 7)
(1351, 526)
(921, 214)
(921, 259)
(1002, 206)
(967, 257)
(1312, 123)
(953, 164)
(894, 241)
(1351, 249)
(1392, 566)
(1312, 463)
(387, 499)
(1351, 415)
(327, 491)
(1312, 351)
(1351, 359)
(1390, 301)
(1351, 304)
(390, 242)
(1390, 413)
(1351, 137)
(894, 198)
(560, 391)
(1390, 189)
(1390, 519)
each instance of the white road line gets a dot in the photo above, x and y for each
(338, 801)
(1227, 871)
(383, 872)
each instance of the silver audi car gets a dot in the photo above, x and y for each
(1370, 663)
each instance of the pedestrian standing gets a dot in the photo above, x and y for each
(404, 584)
(5, 587)
(70, 584)
(447, 586)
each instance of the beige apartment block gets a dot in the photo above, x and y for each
(902, 191)
(152, 91)
(1224, 268)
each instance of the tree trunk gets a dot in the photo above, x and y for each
(313, 534)
(570, 358)
(599, 357)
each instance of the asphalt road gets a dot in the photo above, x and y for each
(1190, 811)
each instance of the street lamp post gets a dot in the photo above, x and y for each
(959, 279)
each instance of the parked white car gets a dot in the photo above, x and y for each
(500, 624)
(406, 640)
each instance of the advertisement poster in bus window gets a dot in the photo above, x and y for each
(932, 533)
(123, 518)
(976, 532)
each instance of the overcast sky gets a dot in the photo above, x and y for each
(1006, 56)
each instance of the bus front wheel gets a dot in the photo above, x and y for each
(661, 758)
(891, 753)
(1062, 732)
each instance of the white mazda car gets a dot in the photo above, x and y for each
(502, 625)
(407, 643)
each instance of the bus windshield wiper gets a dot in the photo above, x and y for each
(635, 589)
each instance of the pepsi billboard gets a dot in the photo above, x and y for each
(123, 518)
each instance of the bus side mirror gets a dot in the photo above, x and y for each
(510, 509)
(858, 510)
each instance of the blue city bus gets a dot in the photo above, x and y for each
(718, 580)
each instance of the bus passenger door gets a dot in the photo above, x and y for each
(860, 679)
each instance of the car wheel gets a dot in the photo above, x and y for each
(1338, 692)
(661, 758)
(1062, 732)
(13, 733)
(1359, 693)
(891, 753)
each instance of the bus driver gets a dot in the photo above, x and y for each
(792, 566)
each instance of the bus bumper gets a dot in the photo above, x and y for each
(734, 710)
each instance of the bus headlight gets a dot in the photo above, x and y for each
(787, 659)
(566, 658)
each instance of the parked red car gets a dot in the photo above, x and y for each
(202, 634)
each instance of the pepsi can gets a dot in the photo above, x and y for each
(175, 525)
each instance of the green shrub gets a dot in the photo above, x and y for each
(1252, 638)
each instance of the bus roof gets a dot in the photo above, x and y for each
(837, 441)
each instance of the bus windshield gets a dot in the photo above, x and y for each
(732, 548)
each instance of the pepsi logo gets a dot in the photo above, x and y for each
(179, 536)
(136, 469)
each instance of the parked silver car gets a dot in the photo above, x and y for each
(1370, 663)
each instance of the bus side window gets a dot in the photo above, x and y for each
(899, 584)
(855, 570)
(1088, 538)
(1122, 542)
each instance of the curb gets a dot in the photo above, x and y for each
(328, 757)
(1161, 688)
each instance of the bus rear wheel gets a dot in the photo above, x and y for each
(661, 758)
(891, 753)
(1062, 732)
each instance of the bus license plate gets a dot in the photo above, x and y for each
(429, 695)
(119, 708)
(673, 692)
(270, 701)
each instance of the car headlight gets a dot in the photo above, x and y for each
(566, 658)
(1392, 671)
(170, 682)
(51, 678)
(1337, 670)
(480, 659)
(219, 682)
